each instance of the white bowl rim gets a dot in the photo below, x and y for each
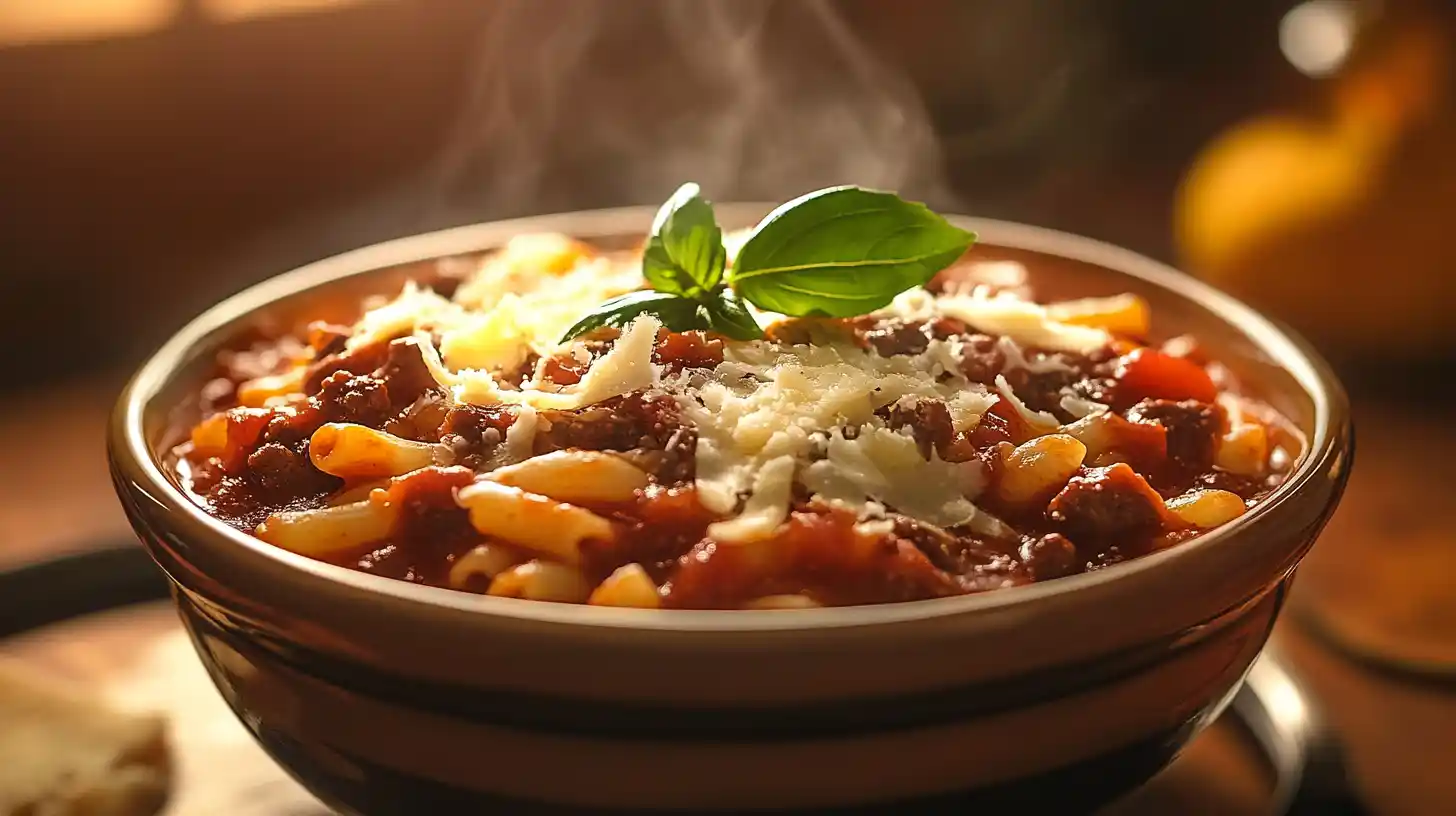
(1308, 369)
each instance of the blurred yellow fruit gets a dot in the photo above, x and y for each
(1343, 227)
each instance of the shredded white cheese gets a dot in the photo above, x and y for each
(1079, 408)
(1016, 358)
(767, 505)
(520, 301)
(521, 435)
(769, 404)
(1041, 422)
(498, 340)
(886, 466)
(771, 417)
(548, 282)
(625, 368)
(416, 309)
(1002, 313)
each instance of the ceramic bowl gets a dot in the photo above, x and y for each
(385, 697)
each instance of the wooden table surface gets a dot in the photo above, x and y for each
(1399, 732)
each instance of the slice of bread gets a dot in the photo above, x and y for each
(64, 753)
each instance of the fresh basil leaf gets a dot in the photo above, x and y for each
(843, 251)
(685, 252)
(729, 316)
(676, 313)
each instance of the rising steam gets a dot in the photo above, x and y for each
(584, 103)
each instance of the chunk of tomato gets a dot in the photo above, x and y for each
(1150, 374)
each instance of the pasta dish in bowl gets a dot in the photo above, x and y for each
(370, 478)
(959, 439)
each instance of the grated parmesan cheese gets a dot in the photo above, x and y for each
(625, 368)
(542, 304)
(767, 505)
(520, 301)
(416, 309)
(497, 340)
(521, 435)
(767, 404)
(1041, 422)
(1082, 408)
(1016, 358)
(1023, 321)
(886, 466)
(770, 417)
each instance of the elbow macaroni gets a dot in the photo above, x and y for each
(531, 521)
(542, 581)
(359, 452)
(210, 436)
(1206, 508)
(331, 530)
(628, 586)
(262, 391)
(359, 492)
(484, 561)
(1039, 467)
(1244, 446)
(575, 476)
(1244, 449)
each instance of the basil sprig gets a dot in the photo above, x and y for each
(837, 252)
(685, 254)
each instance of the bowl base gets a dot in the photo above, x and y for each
(1079, 788)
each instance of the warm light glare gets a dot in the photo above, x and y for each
(1316, 37)
(234, 10)
(24, 22)
(1282, 698)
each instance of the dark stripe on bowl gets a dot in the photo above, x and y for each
(369, 789)
(621, 720)
(94, 580)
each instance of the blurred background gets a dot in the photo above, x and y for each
(156, 155)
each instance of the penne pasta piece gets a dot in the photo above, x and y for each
(1038, 468)
(484, 561)
(1244, 449)
(358, 493)
(532, 521)
(210, 436)
(330, 530)
(1125, 314)
(628, 586)
(230, 436)
(1206, 508)
(259, 392)
(575, 476)
(358, 452)
(542, 581)
(1108, 435)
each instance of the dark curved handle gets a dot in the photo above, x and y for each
(1308, 759)
(1325, 788)
(78, 584)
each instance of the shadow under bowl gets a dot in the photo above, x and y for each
(385, 697)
